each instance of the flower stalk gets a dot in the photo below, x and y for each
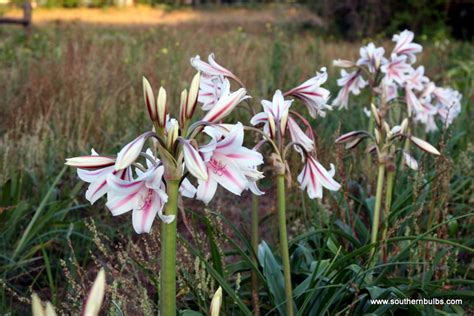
(377, 208)
(388, 203)
(285, 256)
(168, 253)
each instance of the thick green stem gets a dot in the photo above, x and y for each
(388, 205)
(388, 200)
(285, 256)
(254, 240)
(168, 253)
(377, 209)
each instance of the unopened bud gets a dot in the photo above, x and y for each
(377, 136)
(193, 95)
(182, 106)
(271, 125)
(149, 99)
(283, 123)
(376, 115)
(342, 63)
(216, 303)
(161, 108)
(404, 126)
(173, 133)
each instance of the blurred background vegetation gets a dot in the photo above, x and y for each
(68, 85)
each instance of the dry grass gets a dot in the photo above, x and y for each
(145, 15)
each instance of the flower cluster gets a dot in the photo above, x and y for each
(277, 119)
(137, 178)
(396, 79)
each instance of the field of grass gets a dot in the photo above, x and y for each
(69, 86)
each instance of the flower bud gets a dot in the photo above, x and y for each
(386, 127)
(424, 145)
(149, 99)
(283, 123)
(342, 63)
(375, 113)
(404, 126)
(182, 106)
(349, 137)
(96, 296)
(50, 309)
(216, 303)
(193, 95)
(173, 132)
(377, 136)
(90, 162)
(161, 109)
(271, 125)
(37, 306)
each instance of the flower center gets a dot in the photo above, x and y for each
(146, 200)
(217, 166)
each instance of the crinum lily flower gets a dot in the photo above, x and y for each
(396, 70)
(227, 163)
(405, 46)
(145, 195)
(314, 177)
(351, 82)
(372, 57)
(94, 170)
(212, 68)
(210, 90)
(312, 94)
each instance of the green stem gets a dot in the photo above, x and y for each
(370, 130)
(168, 253)
(388, 205)
(285, 256)
(378, 204)
(254, 240)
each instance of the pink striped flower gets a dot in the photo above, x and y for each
(210, 90)
(312, 95)
(278, 109)
(396, 70)
(228, 163)
(145, 196)
(227, 102)
(314, 177)
(252, 174)
(212, 68)
(128, 154)
(372, 57)
(298, 136)
(97, 177)
(405, 47)
(351, 82)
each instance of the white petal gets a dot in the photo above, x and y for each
(193, 161)
(206, 189)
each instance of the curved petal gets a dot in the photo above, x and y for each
(206, 189)
(120, 204)
(231, 178)
(231, 141)
(193, 161)
(187, 189)
(145, 212)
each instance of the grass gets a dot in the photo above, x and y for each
(70, 86)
